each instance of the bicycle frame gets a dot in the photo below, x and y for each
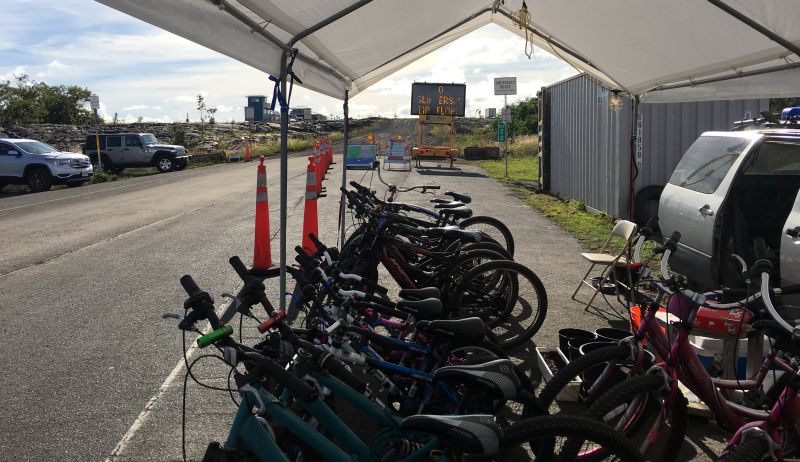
(681, 362)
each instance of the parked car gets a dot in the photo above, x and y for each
(40, 165)
(729, 192)
(119, 151)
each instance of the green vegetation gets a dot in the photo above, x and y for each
(31, 102)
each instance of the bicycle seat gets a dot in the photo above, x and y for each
(461, 197)
(474, 434)
(463, 235)
(449, 205)
(429, 308)
(465, 330)
(497, 376)
(419, 294)
(440, 231)
(460, 212)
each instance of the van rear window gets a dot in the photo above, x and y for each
(779, 157)
(706, 162)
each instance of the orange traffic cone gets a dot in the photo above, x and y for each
(310, 220)
(330, 154)
(247, 154)
(262, 257)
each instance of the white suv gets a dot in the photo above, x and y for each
(40, 165)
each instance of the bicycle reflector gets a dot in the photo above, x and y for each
(212, 337)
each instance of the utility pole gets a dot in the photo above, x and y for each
(94, 103)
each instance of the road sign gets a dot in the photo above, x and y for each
(442, 99)
(505, 86)
(94, 102)
(501, 132)
(506, 114)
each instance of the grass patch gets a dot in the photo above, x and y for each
(522, 168)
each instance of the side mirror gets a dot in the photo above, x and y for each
(375, 164)
(14, 152)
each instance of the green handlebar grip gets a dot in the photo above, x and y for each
(212, 337)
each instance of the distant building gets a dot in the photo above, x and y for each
(300, 113)
(256, 110)
(490, 113)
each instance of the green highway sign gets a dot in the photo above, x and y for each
(501, 132)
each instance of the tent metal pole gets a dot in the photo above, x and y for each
(342, 203)
(284, 174)
(758, 27)
(326, 21)
(737, 75)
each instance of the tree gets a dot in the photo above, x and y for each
(211, 111)
(116, 119)
(28, 102)
(525, 117)
(201, 107)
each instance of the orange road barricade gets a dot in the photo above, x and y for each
(310, 219)
(262, 257)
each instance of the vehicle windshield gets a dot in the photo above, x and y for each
(706, 162)
(35, 147)
(148, 138)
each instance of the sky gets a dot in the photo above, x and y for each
(139, 70)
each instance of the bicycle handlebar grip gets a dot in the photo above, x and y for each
(316, 241)
(269, 323)
(297, 387)
(341, 372)
(214, 336)
(238, 266)
(672, 242)
(432, 187)
(374, 286)
(190, 286)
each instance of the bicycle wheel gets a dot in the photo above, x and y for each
(754, 449)
(508, 296)
(492, 227)
(613, 355)
(487, 245)
(641, 408)
(454, 273)
(566, 438)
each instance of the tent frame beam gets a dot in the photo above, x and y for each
(737, 75)
(756, 26)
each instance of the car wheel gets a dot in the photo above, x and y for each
(165, 164)
(180, 166)
(107, 164)
(38, 179)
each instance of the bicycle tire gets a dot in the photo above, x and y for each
(538, 431)
(461, 266)
(472, 287)
(577, 367)
(750, 450)
(488, 245)
(647, 387)
(491, 222)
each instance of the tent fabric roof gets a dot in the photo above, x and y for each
(663, 51)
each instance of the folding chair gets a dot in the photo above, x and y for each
(624, 232)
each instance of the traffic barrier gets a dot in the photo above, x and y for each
(310, 219)
(262, 257)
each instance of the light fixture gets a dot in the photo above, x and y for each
(615, 101)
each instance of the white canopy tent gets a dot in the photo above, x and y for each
(657, 51)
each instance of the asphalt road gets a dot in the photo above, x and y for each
(91, 371)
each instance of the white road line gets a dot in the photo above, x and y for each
(123, 443)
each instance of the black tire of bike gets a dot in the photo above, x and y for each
(495, 223)
(461, 266)
(750, 450)
(549, 426)
(635, 386)
(523, 271)
(487, 245)
(577, 367)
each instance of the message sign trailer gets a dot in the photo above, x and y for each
(438, 99)
(360, 155)
(396, 154)
(434, 153)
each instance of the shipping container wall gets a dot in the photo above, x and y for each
(590, 145)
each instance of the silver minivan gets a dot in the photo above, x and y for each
(729, 190)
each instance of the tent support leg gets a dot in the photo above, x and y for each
(634, 169)
(342, 203)
(284, 175)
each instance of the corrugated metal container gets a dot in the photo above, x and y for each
(590, 146)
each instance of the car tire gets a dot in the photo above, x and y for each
(38, 179)
(165, 164)
(107, 164)
(646, 204)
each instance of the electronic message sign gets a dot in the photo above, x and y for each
(438, 99)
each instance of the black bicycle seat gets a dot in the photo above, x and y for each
(419, 294)
(449, 205)
(460, 212)
(465, 330)
(496, 376)
(461, 197)
(463, 235)
(474, 434)
(429, 308)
